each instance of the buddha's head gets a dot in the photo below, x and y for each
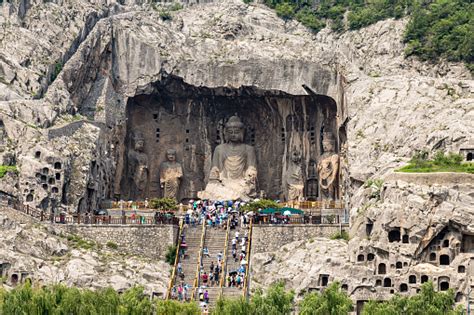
(171, 155)
(329, 143)
(234, 130)
(139, 142)
(295, 156)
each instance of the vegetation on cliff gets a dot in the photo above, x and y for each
(6, 169)
(436, 29)
(441, 162)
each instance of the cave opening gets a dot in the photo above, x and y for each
(190, 120)
(394, 235)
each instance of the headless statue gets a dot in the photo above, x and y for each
(295, 181)
(328, 169)
(171, 173)
(138, 168)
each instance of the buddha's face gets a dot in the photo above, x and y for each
(234, 134)
(139, 144)
(171, 156)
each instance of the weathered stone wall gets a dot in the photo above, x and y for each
(148, 241)
(271, 237)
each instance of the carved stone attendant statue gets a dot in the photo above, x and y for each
(234, 167)
(171, 173)
(295, 180)
(328, 168)
(138, 168)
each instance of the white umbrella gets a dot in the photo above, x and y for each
(250, 213)
(287, 212)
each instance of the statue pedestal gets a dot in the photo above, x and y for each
(233, 189)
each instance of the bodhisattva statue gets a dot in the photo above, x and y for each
(295, 180)
(171, 173)
(138, 168)
(328, 168)
(234, 166)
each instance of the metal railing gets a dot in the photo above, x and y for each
(320, 204)
(81, 218)
(247, 268)
(176, 259)
(199, 261)
(224, 260)
(298, 219)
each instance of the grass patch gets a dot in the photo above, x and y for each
(441, 162)
(111, 245)
(7, 169)
(341, 235)
(78, 242)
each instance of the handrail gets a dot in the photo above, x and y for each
(224, 260)
(198, 267)
(247, 269)
(176, 259)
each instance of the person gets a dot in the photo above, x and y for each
(205, 278)
(180, 268)
(234, 243)
(205, 251)
(180, 292)
(237, 236)
(206, 297)
(211, 267)
(219, 257)
(234, 254)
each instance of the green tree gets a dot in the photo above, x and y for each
(164, 204)
(171, 307)
(332, 301)
(428, 301)
(276, 301)
(170, 256)
(260, 204)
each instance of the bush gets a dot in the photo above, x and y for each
(170, 256)
(441, 162)
(165, 15)
(285, 10)
(260, 204)
(58, 67)
(164, 204)
(341, 235)
(4, 169)
(111, 245)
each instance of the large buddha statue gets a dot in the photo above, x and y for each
(328, 168)
(171, 173)
(234, 167)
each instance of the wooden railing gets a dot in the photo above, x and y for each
(247, 267)
(199, 260)
(176, 259)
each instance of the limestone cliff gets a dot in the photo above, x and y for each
(107, 53)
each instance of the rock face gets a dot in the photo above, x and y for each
(68, 136)
(33, 251)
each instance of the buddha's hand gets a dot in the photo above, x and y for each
(214, 174)
(251, 174)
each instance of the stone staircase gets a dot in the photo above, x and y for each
(190, 260)
(215, 243)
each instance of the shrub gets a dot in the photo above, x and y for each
(285, 10)
(170, 256)
(164, 204)
(441, 162)
(260, 204)
(111, 245)
(58, 67)
(4, 169)
(165, 15)
(340, 235)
